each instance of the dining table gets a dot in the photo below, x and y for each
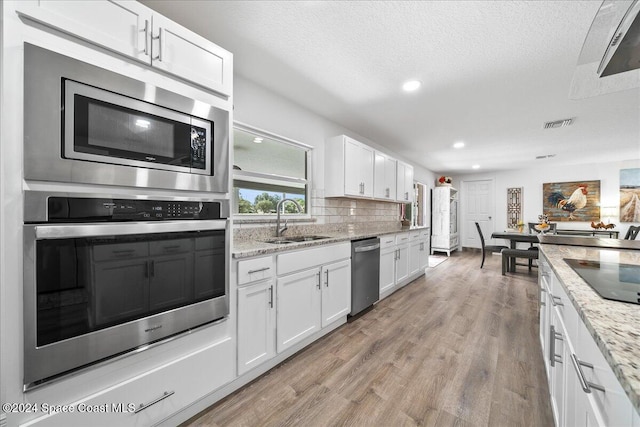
(515, 236)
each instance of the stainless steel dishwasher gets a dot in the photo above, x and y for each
(365, 274)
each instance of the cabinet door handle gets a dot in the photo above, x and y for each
(152, 268)
(146, 37)
(144, 406)
(553, 336)
(318, 276)
(387, 192)
(271, 296)
(554, 302)
(159, 38)
(586, 385)
(326, 278)
(146, 269)
(258, 270)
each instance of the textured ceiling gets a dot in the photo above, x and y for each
(493, 72)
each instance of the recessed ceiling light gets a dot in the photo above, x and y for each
(257, 140)
(458, 144)
(475, 167)
(411, 85)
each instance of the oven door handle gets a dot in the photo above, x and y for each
(61, 231)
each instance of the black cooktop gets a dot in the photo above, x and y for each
(611, 280)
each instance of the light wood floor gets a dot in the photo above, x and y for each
(458, 347)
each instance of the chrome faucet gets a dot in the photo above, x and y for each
(279, 230)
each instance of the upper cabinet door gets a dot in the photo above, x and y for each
(384, 180)
(134, 30)
(404, 183)
(121, 26)
(358, 169)
(185, 54)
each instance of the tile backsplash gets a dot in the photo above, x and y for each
(331, 214)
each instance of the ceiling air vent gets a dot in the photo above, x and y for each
(558, 124)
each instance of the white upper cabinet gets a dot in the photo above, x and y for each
(384, 179)
(348, 168)
(353, 169)
(122, 26)
(185, 54)
(134, 30)
(404, 182)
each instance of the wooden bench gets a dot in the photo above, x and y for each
(509, 258)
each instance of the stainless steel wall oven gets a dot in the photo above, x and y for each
(103, 276)
(85, 124)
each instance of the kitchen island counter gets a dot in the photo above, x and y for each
(615, 326)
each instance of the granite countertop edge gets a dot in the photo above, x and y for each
(610, 323)
(250, 248)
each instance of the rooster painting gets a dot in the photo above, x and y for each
(578, 200)
(563, 200)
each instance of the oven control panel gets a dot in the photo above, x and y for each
(78, 209)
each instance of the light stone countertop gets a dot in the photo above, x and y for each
(615, 326)
(254, 246)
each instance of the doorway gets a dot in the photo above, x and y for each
(477, 206)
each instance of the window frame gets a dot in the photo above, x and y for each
(273, 179)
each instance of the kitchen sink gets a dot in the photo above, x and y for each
(294, 239)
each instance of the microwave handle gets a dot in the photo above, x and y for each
(62, 231)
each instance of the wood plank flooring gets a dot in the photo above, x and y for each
(458, 347)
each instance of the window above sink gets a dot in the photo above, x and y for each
(268, 168)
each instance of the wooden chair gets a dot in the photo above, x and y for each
(487, 248)
(632, 232)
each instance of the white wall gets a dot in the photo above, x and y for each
(531, 181)
(256, 106)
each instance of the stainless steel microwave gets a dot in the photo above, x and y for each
(85, 124)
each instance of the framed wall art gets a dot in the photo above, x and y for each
(572, 201)
(630, 195)
(514, 207)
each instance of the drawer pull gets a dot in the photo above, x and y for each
(586, 385)
(122, 252)
(144, 406)
(171, 248)
(259, 270)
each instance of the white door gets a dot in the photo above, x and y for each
(256, 325)
(336, 291)
(478, 206)
(298, 307)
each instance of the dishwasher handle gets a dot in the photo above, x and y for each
(369, 248)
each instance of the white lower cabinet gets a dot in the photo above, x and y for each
(256, 324)
(402, 258)
(313, 291)
(387, 263)
(155, 395)
(584, 391)
(418, 252)
(298, 313)
(336, 291)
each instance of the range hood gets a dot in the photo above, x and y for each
(610, 57)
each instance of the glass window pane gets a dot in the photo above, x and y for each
(259, 198)
(268, 156)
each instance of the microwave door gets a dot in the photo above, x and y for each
(106, 127)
